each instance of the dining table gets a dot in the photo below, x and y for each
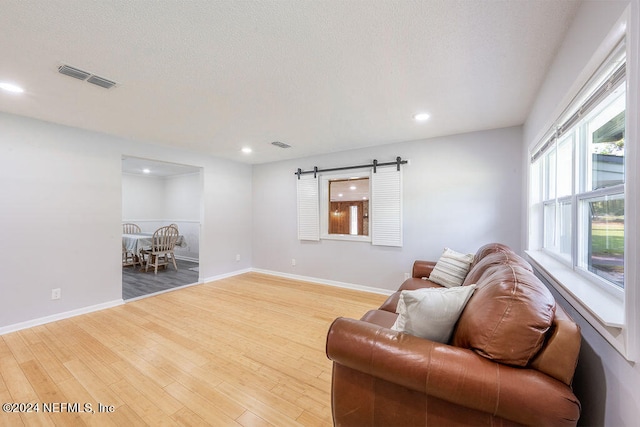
(135, 242)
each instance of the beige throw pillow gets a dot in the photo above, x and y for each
(431, 313)
(451, 268)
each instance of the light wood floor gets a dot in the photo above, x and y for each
(247, 350)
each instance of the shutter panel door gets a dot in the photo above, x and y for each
(386, 207)
(308, 209)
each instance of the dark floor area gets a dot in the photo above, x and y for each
(136, 282)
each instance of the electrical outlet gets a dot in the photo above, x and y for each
(407, 276)
(293, 262)
(237, 257)
(55, 293)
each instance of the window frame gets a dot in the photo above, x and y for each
(613, 313)
(593, 277)
(325, 178)
(385, 205)
(581, 190)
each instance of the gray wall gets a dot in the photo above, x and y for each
(460, 191)
(61, 210)
(607, 385)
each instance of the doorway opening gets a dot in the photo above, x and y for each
(157, 194)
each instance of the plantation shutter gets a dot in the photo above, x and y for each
(308, 208)
(386, 207)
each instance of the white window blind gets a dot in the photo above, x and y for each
(386, 207)
(308, 209)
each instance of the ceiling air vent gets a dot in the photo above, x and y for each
(73, 72)
(99, 81)
(76, 73)
(280, 144)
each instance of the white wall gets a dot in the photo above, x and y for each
(183, 197)
(607, 385)
(182, 206)
(460, 191)
(152, 202)
(61, 206)
(592, 23)
(142, 198)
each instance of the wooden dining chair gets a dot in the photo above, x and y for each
(161, 250)
(129, 258)
(130, 228)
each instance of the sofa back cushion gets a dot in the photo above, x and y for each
(481, 264)
(507, 318)
(487, 249)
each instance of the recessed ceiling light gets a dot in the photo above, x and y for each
(353, 187)
(247, 150)
(340, 195)
(146, 171)
(421, 117)
(10, 87)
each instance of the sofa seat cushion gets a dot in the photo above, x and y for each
(508, 317)
(409, 285)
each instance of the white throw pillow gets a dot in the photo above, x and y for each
(451, 268)
(431, 313)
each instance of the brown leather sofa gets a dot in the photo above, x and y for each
(510, 361)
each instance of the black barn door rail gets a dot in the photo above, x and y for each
(374, 165)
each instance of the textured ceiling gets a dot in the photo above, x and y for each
(322, 76)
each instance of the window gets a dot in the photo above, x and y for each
(602, 245)
(358, 206)
(349, 206)
(583, 197)
(581, 180)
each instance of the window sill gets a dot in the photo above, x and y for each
(602, 310)
(588, 299)
(346, 237)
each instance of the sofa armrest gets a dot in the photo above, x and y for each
(453, 374)
(422, 269)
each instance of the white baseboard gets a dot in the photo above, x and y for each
(186, 258)
(225, 275)
(59, 316)
(325, 282)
